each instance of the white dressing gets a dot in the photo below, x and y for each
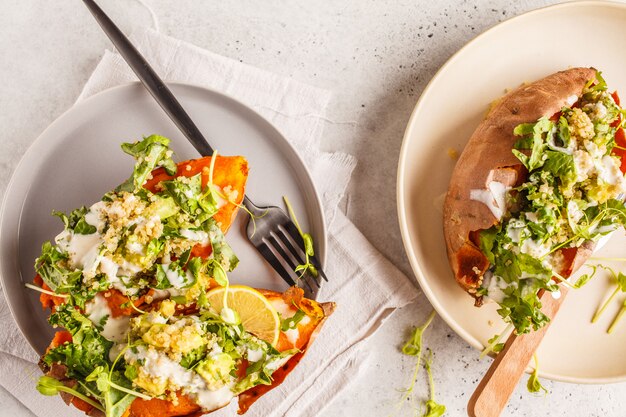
(196, 235)
(220, 201)
(494, 198)
(175, 279)
(114, 329)
(83, 250)
(534, 249)
(609, 171)
(159, 365)
(285, 310)
(292, 335)
(212, 400)
(255, 355)
(496, 286)
(94, 216)
(571, 100)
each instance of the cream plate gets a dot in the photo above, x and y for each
(525, 48)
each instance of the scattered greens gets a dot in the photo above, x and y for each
(50, 386)
(86, 359)
(534, 385)
(414, 347)
(617, 318)
(620, 287)
(574, 193)
(150, 153)
(88, 349)
(307, 266)
(433, 409)
(76, 221)
(494, 345)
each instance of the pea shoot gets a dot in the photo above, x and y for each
(47, 385)
(534, 385)
(307, 266)
(414, 347)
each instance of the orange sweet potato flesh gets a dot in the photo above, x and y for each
(162, 408)
(228, 171)
(318, 313)
(47, 300)
(487, 157)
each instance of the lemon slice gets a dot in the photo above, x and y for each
(255, 311)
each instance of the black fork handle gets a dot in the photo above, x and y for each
(151, 80)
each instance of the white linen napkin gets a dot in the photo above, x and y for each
(365, 285)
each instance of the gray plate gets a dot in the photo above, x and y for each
(78, 158)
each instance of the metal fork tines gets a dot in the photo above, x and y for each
(276, 237)
(278, 240)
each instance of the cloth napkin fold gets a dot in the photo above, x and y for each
(365, 285)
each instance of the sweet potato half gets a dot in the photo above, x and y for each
(317, 313)
(229, 174)
(487, 158)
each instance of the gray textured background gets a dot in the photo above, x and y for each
(376, 56)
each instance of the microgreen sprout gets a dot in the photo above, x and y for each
(41, 290)
(617, 318)
(534, 385)
(433, 409)
(620, 279)
(562, 280)
(291, 323)
(583, 279)
(50, 386)
(414, 347)
(132, 305)
(307, 266)
(493, 344)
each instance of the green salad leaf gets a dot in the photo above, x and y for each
(222, 251)
(115, 390)
(151, 152)
(52, 266)
(188, 195)
(49, 267)
(88, 349)
(76, 221)
(536, 133)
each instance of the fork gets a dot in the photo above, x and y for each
(269, 229)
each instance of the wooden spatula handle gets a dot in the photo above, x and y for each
(493, 392)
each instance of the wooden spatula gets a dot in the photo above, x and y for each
(493, 392)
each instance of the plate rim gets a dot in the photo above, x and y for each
(401, 185)
(321, 242)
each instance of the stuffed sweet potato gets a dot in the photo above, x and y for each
(138, 281)
(538, 184)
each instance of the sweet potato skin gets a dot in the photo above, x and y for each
(488, 157)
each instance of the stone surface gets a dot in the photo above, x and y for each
(376, 56)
